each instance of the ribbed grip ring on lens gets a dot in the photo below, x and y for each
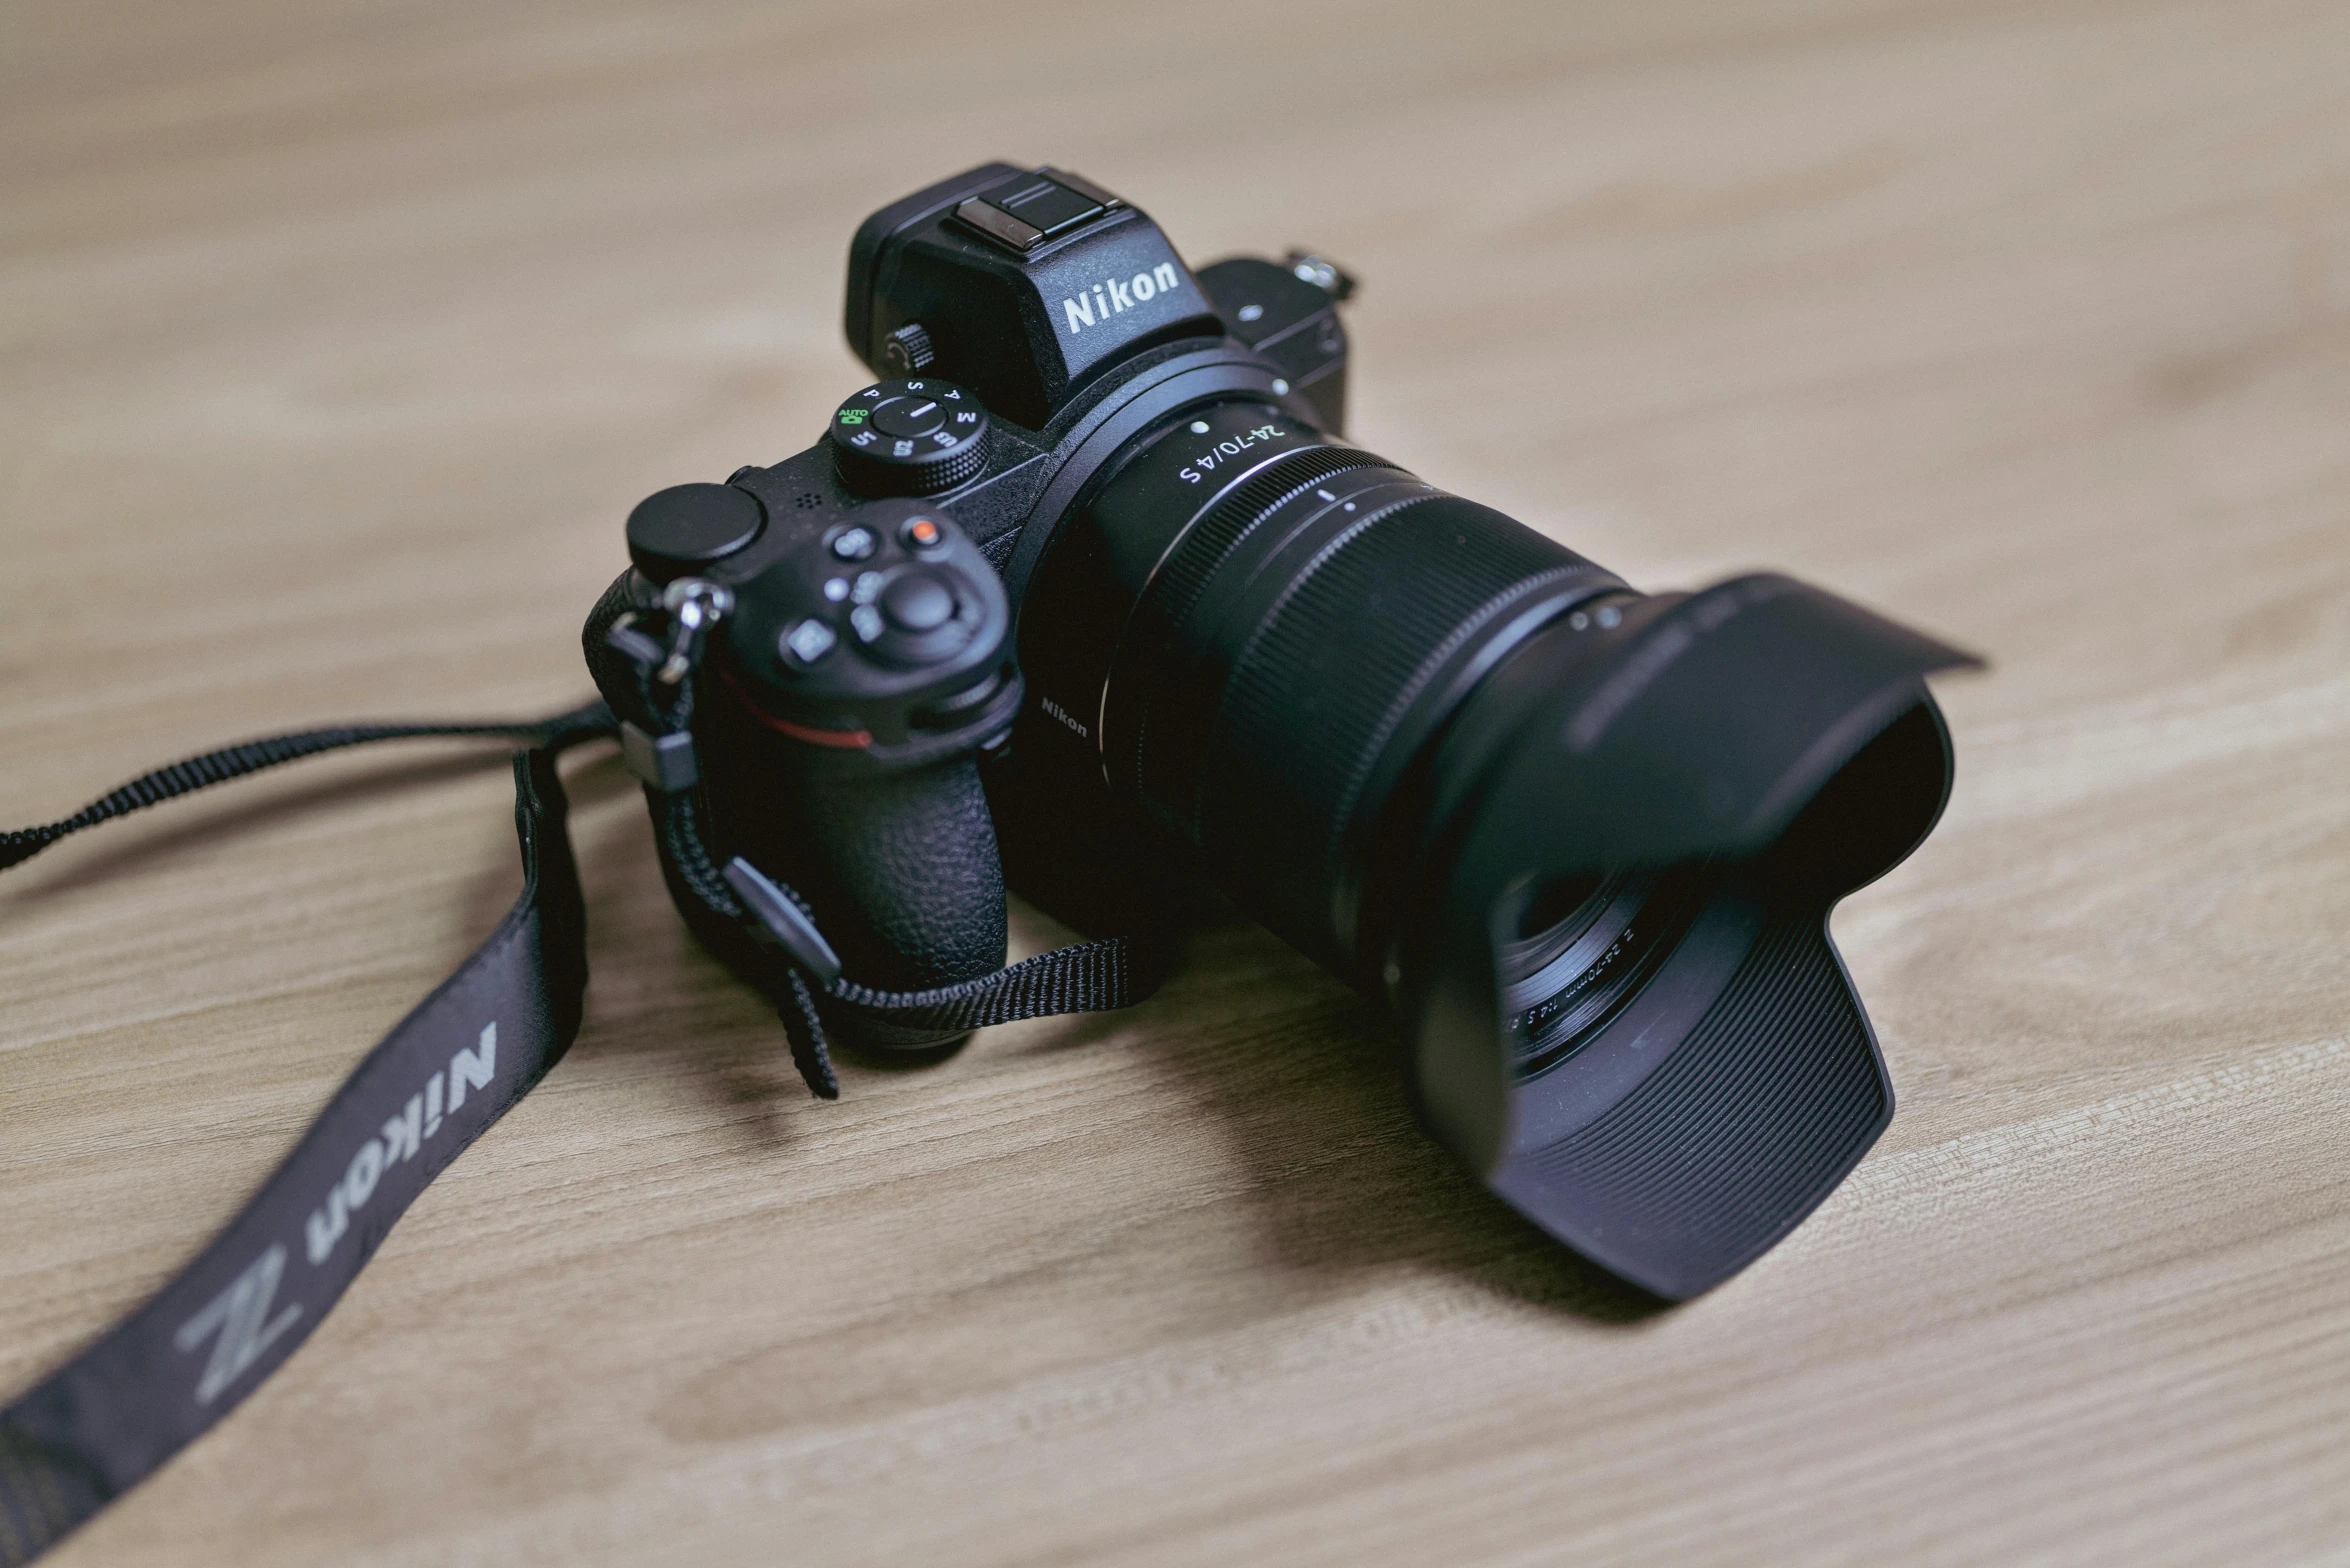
(1161, 619)
(1312, 700)
(1210, 540)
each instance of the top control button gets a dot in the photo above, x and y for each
(920, 533)
(913, 435)
(807, 642)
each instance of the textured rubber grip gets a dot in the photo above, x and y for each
(900, 868)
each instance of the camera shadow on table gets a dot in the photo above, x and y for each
(1303, 1075)
(1294, 1071)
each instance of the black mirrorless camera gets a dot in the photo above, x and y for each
(1090, 590)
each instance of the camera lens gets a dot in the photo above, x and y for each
(1586, 944)
(1289, 648)
(1582, 841)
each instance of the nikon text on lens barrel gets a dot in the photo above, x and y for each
(1092, 592)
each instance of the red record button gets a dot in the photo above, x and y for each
(920, 533)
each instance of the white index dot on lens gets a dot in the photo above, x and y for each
(1280, 387)
(1199, 427)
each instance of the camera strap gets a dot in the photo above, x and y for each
(104, 1421)
(158, 1379)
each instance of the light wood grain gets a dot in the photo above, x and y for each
(339, 338)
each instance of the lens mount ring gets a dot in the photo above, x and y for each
(1131, 410)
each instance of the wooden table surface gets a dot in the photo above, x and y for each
(340, 338)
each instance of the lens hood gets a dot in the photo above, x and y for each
(1763, 741)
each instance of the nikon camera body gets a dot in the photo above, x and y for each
(1089, 588)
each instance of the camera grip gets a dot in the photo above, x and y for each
(900, 867)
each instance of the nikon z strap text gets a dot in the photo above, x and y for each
(100, 1424)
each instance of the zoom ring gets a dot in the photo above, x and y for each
(1315, 695)
(1164, 678)
(1275, 656)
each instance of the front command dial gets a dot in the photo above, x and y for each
(913, 436)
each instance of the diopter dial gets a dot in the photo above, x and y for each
(915, 435)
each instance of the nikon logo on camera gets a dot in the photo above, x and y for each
(1115, 296)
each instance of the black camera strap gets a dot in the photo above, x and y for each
(161, 1377)
(105, 1420)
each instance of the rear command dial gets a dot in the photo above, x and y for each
(918, 436)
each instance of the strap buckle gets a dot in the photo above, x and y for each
(782, 919)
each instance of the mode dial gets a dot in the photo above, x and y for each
(911, 436)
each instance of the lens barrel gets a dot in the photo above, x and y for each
(1262, 661)
(1295, 651)
(1582, 841)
